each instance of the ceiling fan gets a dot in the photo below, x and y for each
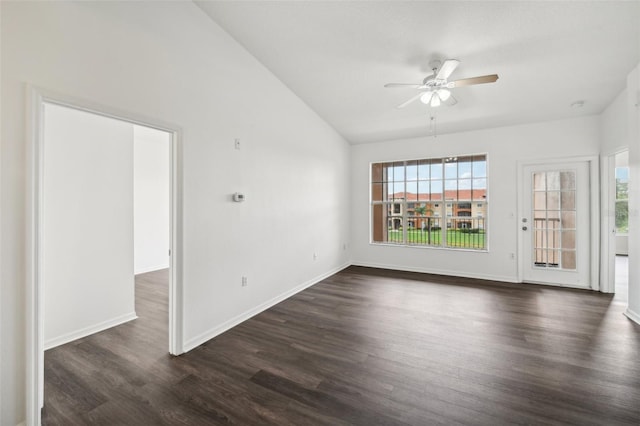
(435, 88)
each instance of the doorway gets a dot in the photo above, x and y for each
(557, 218)
(621, 214)
(97, 167)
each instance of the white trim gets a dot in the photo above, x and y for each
(577, 287)
(210, 334)
(501, 278)
(87, 331)
(594, 205)
(151, 269)
(633, 316)
(607, 227)
(34, 141)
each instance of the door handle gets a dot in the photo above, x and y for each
(524, 228)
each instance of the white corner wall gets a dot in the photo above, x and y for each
(633, 122)
(505, 147)
(87, 265)
(151, 199)
(613, 125)
(170, 62)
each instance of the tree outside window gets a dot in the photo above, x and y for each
(622, 200)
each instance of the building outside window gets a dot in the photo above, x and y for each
(436, 202)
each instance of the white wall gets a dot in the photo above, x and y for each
(151, 203)
(505, 146)
(613, 126)
(169, 61)
(633, 121)
(88, 224)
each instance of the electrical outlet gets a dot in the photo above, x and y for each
(512, 256)
(244, 281)
(237, 143)
(315, 256)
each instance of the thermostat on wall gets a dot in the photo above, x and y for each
(238, 197)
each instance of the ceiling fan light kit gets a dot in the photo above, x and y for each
(436, 89)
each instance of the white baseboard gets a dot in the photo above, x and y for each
(74, 335)
(210, 334)
(633, 316)
(150, 269)
(438, 272)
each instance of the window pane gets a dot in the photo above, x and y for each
(412, 170)
(377, 191)
(398, 171)
(397, 190)
(423, 190)
(451, 170)
(479, 189)
(412, 189)
(479, 166)
(436, 170)
(436, 190)
(379, 223)
(377, 172)
(464, 168)
(451, 185)
(423, 170)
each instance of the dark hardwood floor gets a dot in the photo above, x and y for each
(365, 347)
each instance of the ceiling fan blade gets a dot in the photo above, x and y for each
(402, 105)
(474, 80)
(447, 68)
(415, 86)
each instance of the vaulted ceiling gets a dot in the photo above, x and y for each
(338, 55)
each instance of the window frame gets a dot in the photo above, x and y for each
(439, 214)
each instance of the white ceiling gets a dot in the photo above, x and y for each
(337, 56)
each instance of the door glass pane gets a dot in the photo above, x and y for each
(568, 259)
(553, 200)
(568, 200)
(567, 180)
(554, 219)
(539, 182)
(553, 181)
(568, 220)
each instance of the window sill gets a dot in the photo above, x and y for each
(471, 250)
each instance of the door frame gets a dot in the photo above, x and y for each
(608, 229)
(594, 220)
(36, 98)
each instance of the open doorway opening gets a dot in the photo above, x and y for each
(84, 252)
(621, 209)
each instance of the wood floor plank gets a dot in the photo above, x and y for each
(366, 347)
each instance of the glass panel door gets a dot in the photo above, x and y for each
(555, 224)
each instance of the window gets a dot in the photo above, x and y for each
(622, 200)
(407, 205)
